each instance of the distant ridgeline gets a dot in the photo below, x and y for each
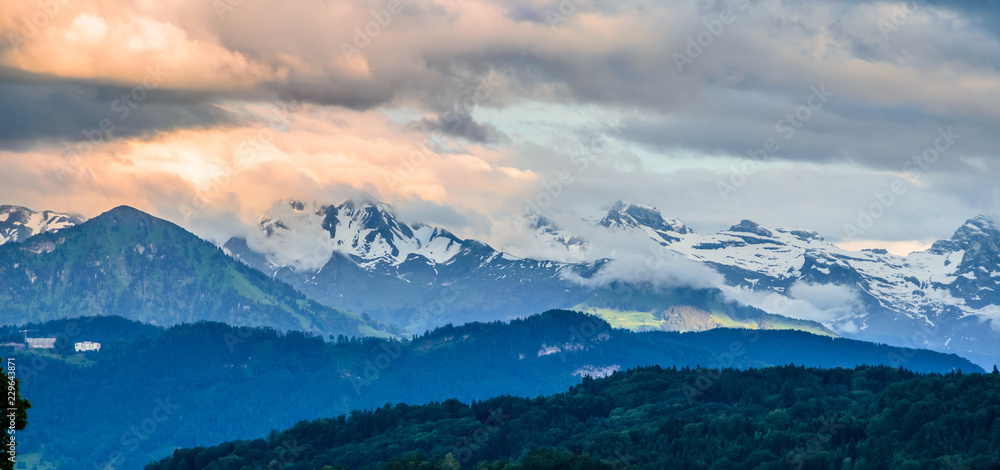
(776, 418)
(151, 390)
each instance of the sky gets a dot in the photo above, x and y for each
(875, 124)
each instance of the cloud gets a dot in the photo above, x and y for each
(72, 111)
(991, 314)
(526, 87)
(823, 303)
(414, 211)
(460, 126)
(901, 248)
(829, 304)
(192, 176)
(637, 260)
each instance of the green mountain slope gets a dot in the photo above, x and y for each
(684, 309)
(130, 264)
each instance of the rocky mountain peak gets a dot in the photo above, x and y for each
(628, 215)
(973, 232)
(749, 226)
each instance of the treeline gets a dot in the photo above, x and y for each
(774, 418)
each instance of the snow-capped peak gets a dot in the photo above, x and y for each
(978, 228)
(305, 235)
(19, 223)
(855, 293)
(633, 216)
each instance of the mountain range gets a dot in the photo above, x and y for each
(641, 270)
(630, 265)
(285, 325)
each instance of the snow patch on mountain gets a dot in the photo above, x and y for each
(292, 234)
(20, 223)
(785, 271)
(815, 279)
(305, 235)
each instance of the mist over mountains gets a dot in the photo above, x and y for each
(630, 265)
(305, 298)
(339, 235)
(945, 298)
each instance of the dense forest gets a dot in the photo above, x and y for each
(773, 418)
(151, 390)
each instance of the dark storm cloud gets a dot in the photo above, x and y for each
(53, 111)
(458, 125)
(880, 138)
(348, 93)
(695, 85)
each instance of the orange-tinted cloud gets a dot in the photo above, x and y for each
(311, 153)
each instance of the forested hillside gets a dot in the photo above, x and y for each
(775, 418)
(149, 390)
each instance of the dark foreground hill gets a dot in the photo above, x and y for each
(776, 418)
(150, 391)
